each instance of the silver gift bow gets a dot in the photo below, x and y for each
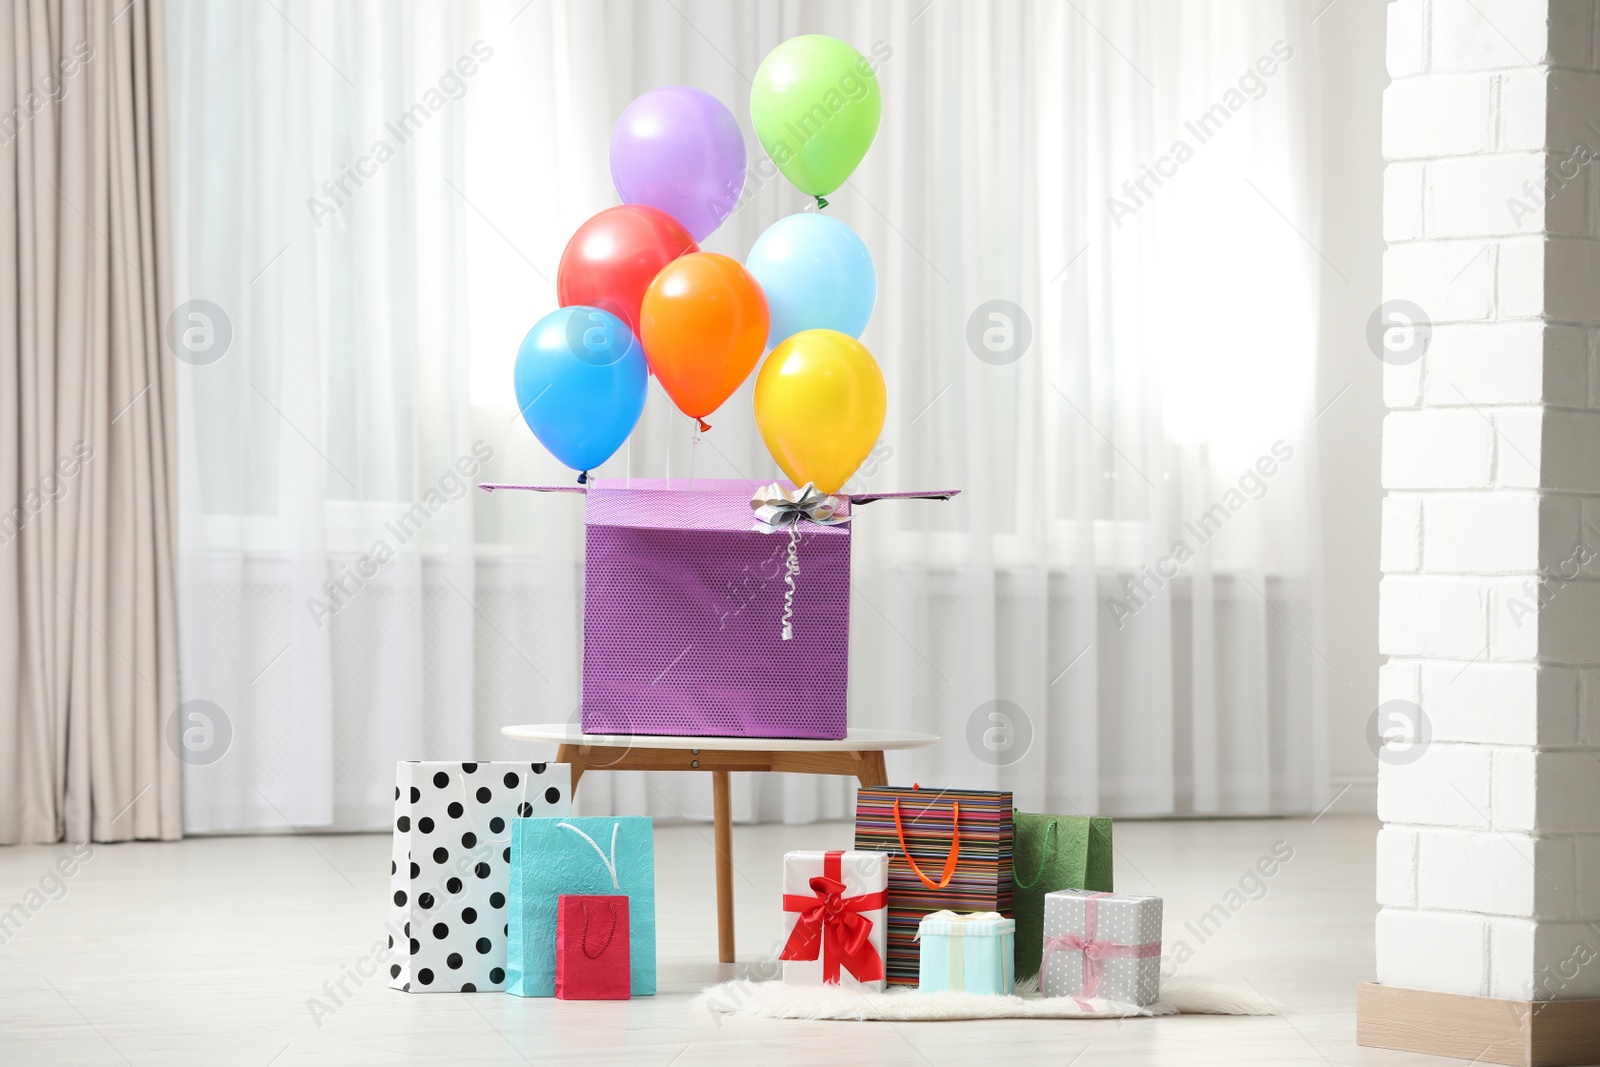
(778, 508)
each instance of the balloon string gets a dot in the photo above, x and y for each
(821, 203)
(694, 447)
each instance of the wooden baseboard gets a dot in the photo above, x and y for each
(1547, 1033)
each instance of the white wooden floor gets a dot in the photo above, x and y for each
(210, 952)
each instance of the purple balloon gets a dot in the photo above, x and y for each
(679, 150)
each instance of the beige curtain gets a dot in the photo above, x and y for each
(88, 670)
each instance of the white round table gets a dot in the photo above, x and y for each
(859, 755)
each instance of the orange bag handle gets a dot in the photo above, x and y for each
(955, 846)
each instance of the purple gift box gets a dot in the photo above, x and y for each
(684, 604)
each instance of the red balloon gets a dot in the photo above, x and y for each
(612, 259)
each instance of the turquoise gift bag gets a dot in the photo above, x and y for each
(601, 856)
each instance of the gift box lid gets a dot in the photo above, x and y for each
(713, 504)
(861, 870)
(1103, 898)
(703, 504)
(867, 856)
(968, 924)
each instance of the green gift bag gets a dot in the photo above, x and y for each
(1051, 852)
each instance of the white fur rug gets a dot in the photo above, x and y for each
(774, 1000)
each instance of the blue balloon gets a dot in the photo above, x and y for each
(581, 384)
(817, 275)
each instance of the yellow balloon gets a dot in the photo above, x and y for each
(820, 402)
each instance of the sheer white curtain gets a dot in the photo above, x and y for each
(1126, 580)
(338, 403)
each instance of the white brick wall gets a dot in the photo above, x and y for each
(1446, 952)
(1507, 363)
(1488, 34)
(1436, 449)
(1489, 608)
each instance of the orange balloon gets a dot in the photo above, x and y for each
(704, 326)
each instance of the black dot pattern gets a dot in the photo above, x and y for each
(446, 888)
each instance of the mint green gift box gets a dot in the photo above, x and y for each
(970, 953)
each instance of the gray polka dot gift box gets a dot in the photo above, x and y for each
(450, 872)
(1101, 946)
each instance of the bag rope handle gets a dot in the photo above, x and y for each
(611, 862)
(949, 861)
(612, 932)
(1044, 860)
(468, 797)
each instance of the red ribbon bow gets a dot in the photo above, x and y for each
(1094, 951)
(831, 924)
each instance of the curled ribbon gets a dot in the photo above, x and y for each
(1095, 952)
(778, 508)
(831, 925)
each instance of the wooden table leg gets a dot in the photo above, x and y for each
(569, 754)
(867, 767)
(723, 816)
(872, 770)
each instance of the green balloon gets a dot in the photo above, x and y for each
(815, 106)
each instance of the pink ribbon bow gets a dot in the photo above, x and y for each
(1095, 951)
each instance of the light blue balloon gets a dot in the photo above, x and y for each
(817, 275)
(581, 384)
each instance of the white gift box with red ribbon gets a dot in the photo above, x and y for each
(1101, 946)
(835, 918)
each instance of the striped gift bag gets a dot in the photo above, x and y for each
(949, 850)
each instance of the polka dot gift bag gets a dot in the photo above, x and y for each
(450, 871)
